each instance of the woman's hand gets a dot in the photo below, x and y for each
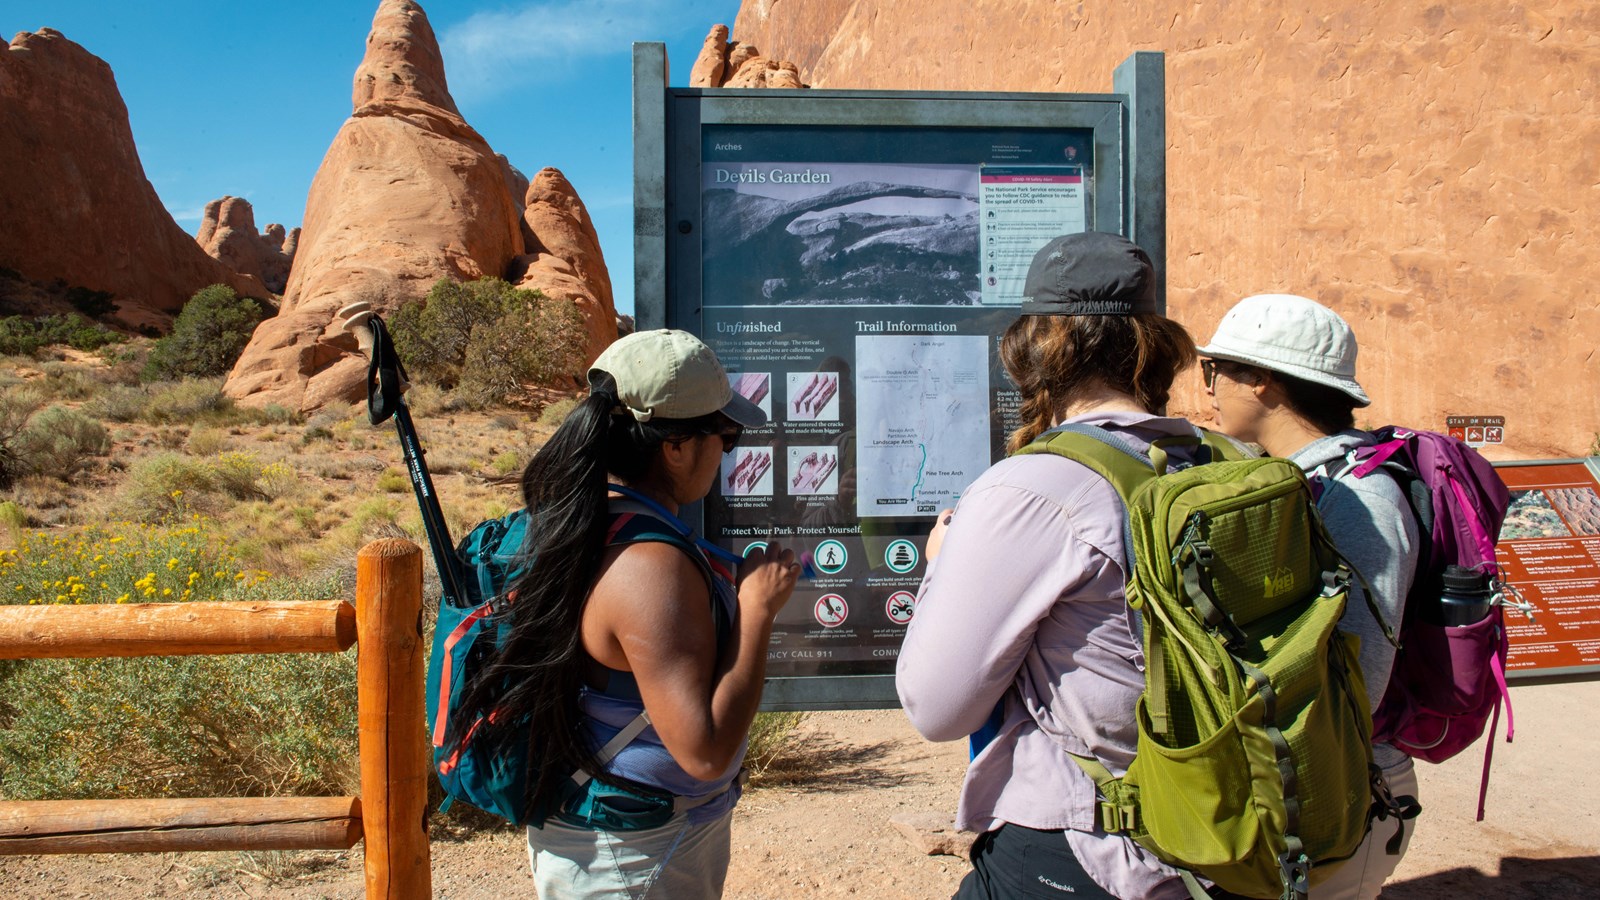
(936, 536)
(766, 579)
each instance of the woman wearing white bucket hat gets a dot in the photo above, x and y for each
(1281, 373)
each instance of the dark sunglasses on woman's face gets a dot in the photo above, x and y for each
(1208, 372)
(730, 439)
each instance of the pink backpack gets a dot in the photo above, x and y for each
(1448, 681)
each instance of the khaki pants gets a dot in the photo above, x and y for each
(1361, 876)
(677, 861)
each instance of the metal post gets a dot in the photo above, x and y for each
(649, 186)
(1142, 77)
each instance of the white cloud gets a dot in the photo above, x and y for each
(547, 41)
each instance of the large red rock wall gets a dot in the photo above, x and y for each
(1428, 171)
(74, 201)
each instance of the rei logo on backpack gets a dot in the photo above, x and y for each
(1448, 680)
(1254, 742)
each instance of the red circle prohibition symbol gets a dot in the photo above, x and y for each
(900, 606)
(831, 610)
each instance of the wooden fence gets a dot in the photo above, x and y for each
(391, 813)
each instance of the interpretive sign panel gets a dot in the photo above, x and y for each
(1550, 549)
(854, 259)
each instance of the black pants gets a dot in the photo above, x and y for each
(1017, 862)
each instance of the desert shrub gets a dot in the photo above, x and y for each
(117, 403)
(187, 402)
(555, 413)
(67, 382)
(164, 485)
(17, 406)
(58, 440)
(167, 726)
(207, 337)
(168, 485)
(207, 441)
(393, 481)
(13, 517)
(488, 338)
(772, 737)
(506, 463)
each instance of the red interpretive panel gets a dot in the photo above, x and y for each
(1550, 549)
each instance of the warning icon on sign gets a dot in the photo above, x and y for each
(831, 610)
(900, 607)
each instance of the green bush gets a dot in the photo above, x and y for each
(167, 726)
(59, 440)
(207, 337)
(488, 338)
(23, 336)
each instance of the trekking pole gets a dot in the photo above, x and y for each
(385, 382)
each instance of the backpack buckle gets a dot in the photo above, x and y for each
(1115, 819)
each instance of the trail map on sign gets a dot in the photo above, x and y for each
(922, 422)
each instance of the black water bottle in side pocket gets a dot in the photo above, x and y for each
(1467, 597)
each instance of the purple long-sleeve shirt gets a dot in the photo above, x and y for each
(1024, 605)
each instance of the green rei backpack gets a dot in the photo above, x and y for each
(1255, 733)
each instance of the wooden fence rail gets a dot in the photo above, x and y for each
(390, 815)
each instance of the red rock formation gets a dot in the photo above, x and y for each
(563, 258)
(1427, 170)
(739, 65)
(407, 193)
(228, 235)
(74, 201)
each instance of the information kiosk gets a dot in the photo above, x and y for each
(854, 257)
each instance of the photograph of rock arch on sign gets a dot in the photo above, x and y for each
(845, 234)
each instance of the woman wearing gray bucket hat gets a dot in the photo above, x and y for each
(636, 656)
(1281, 373)
(1022, 636)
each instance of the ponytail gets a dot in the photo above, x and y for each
(533, 682)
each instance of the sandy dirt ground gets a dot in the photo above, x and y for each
(823, 830)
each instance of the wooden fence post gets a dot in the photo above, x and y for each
(390, 670)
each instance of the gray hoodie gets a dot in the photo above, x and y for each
(1373, 527)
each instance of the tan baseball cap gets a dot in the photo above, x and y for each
(671, 374)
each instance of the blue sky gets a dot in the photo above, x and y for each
(244, 98)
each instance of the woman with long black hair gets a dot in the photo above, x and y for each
(636, 657)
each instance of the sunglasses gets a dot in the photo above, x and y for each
(730, 439)
(1208, 373)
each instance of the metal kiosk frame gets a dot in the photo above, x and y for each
(1129, 142)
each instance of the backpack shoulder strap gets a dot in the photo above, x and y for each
(1105, 452)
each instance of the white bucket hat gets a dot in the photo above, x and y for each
(1293, 335)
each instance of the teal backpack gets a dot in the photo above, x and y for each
(1254, 757)
(470, 628)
